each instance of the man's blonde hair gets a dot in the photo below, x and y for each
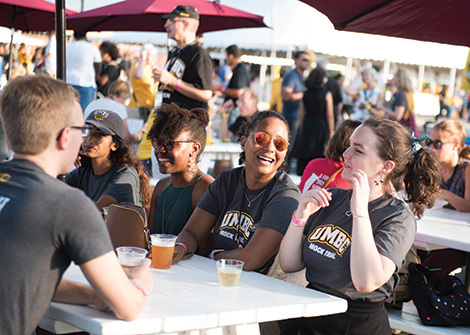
(34, 109)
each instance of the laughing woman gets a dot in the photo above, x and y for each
(364, 233)
(178, 137)
(247, 207)
(109, 172)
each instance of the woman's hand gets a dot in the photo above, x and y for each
(311, 202)
(361, 190)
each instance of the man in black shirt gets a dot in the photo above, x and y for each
(241, 76)
(187, 77)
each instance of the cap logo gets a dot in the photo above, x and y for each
(100, 115)
(184, 14)
(4, 177)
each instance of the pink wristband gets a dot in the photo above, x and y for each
(297, 222)
(182, 244)
(178, 83)
(223, 89)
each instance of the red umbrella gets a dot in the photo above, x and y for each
(145, 15)
(425, 20)
(28, 15)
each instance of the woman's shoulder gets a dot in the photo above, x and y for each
(284, 182)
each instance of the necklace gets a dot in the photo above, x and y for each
(250, 201)
(165, 225)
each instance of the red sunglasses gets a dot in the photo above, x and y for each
(262, 138)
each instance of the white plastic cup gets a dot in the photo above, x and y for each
(130, 257)
(229, 271)
(163, 246)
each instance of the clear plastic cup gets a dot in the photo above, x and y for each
(105, 213)
(130, 257)
(229, 271)
(163, 246)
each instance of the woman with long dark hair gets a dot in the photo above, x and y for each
(109, 171)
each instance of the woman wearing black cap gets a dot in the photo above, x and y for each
(109, 172)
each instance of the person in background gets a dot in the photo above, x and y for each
(333, 87)
(247, 207)
(402, 102)
(109, 173)
(50, 55)
(316, 120)
(178, 137)
(44, 125)
(321, 170)
(447, 139)
(443, 104)
(293, 89)
(109, 67)
(276, 87)
(368, 97)
(83, 65)
(241, 78)
(118, 92)
(187, 77)
(374, 230)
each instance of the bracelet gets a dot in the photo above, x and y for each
(360, 216)
(222, 89)
(178, 83)
(297, 222)
(138, 137)
(225, 114)
(182, 245)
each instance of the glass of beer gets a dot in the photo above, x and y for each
(130, 257)
(229, 271)
(162, 250)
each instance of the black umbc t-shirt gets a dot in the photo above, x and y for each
(193, 65)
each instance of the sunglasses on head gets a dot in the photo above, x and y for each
(437, 143)
(168, 143)
(262, 138)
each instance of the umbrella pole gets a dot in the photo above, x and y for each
(60, 36)
(10, 65)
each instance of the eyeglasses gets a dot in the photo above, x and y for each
(168, 143)
(262, 138)
(86, 131)
(173, 20)
(437, 143)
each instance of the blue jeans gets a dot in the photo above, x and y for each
(87, 95)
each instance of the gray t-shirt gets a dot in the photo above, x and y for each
(235, 223)
(326, 250)
(44, 224)
(120, 182)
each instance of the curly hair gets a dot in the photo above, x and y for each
(248, 127)
(421, 172)
(124, 156)
(111, 49)
(171, 120)
(339, 142)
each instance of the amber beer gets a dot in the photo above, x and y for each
(162, 256)
(163, 246)
(130, 257)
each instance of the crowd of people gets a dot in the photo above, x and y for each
(366, 177)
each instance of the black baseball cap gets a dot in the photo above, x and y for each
(182, 11)
(108, 122)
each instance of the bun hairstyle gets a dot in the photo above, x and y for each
(420, 171)
(248, 127)
(171, 120)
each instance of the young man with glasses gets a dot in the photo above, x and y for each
(44, 223)
(187, 77)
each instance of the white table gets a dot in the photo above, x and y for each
(187, 299)
(220, 151)
(442, 228)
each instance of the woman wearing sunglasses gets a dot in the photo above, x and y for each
(178, 137)
(447, 139)
(109, 171)
(247, 207)
(353, 242)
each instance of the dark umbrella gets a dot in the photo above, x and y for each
(145, 15)
(27, 15)
(425, 20)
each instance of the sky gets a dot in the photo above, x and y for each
(297, 25)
